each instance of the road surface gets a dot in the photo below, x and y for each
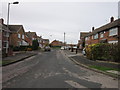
(53, 70)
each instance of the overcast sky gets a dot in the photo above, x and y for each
(52, 19)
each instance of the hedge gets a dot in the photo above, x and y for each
(103, 51)
(21, 48)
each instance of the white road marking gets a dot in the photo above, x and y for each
(74, 84)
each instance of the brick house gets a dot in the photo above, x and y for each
(56, 43)
(28, 40)
(109, 33)
(45, 42)
(5, 40)
(40, 41)
(18, 35)
(81, 42)
(32, 36)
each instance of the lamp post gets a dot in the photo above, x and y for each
(64, 40)
(8, 20)
(9, 12)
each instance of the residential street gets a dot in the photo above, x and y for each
(53, 70)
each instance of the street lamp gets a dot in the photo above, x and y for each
(64, 40)
(9, 11)
(8, 20)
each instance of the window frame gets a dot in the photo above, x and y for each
(95, 36)
(113, 31)
(19, 36)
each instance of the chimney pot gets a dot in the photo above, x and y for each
(111, 19)
(93, 28)
(2, 21)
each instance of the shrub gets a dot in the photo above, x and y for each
(103, 51)
(29, 49)
(21, 48)
(35, 44)
(16, 48)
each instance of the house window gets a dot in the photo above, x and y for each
(6, 34)
(92, 37)
(96, 36)
(5, 44)
(33, 38)
(101, 34)
(86, 38)
(23, 37)
(113, 31)
(19, 43)
(18, 35)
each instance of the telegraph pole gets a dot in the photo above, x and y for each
(64, 40)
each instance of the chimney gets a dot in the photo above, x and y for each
(111, 19)
(2, 21)
(93, 29)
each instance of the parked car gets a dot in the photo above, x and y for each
(75, 47)
(62, 48)
(47, 48)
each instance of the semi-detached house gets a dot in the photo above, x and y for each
(5, 39)
(32, 36)
(109, 33)
(18, 35)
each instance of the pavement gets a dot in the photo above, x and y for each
(53, 70)
(81, 60)
(18, 56)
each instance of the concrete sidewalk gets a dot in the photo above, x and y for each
(19, 56)
(80, 59)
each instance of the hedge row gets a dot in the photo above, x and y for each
(34, 46)
(22, 48)
(103, 51)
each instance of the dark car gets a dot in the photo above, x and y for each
(47, 48)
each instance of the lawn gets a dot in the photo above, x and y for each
(103, 68)
(4, 62)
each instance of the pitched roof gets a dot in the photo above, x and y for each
(30, 34)
(82, 34)
(45, 39)
(105, 27)
(4, 27)
(15, 28)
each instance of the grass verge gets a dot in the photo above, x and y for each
(4, 62)
(103, 68)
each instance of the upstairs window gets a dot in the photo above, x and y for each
(18, 35)
(113, 31)
(23, 37)
(6, 34)
(86, 38)
(92, 36)
(101, 34)
(96, 36)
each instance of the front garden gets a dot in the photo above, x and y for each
(103, 51)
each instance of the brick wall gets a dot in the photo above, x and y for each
(15, 39)
(28, 40)
(106, 36)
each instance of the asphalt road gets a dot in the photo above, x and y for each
(53, 70)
